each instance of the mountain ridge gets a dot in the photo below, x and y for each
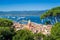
(21, 13)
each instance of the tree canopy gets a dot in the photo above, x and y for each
(53, 15)
(55, 31)
(6, 32)
(52, 12)
(39, 36)
(23, 35)
(5, 22)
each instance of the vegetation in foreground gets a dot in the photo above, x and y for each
(8, 33)
(53, 13)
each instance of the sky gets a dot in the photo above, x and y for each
(27, 5)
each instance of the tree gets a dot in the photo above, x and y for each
(6, 33)
(6, 30)
(23, 35)
(47, 22)
(48, 37)
(5, 22)
(55, 31)
(54, 12)
(38, 36)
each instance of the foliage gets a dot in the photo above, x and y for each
(55, 31)
(47, 22)
(23, 35)
(38, 36)
(48, 37)
(54, 12)
(5, 22)
(6, 33)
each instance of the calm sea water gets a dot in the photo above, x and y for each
(24, 19)
(21, 19)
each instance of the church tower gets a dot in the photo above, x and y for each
(29, 24)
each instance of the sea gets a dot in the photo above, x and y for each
(25, 19)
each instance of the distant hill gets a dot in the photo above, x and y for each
(21, 13)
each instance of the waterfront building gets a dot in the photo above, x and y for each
(34, 27)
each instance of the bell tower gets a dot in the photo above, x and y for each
(29, 24)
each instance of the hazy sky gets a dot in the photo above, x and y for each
(27, 5)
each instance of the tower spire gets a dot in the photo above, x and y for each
(29, 21)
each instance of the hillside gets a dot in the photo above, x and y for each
(21, 13)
